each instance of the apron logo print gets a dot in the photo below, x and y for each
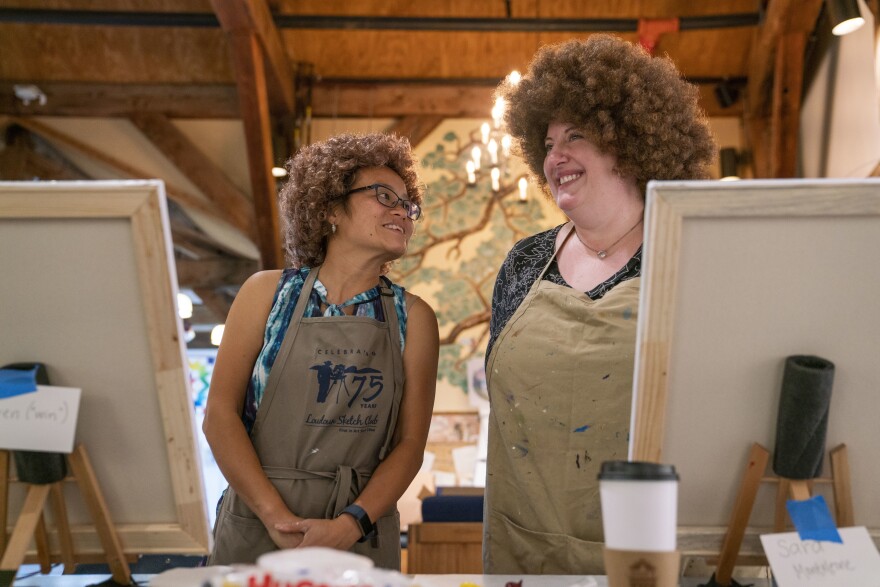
(339, 377)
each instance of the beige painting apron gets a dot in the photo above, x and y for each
(560, 387)
(326, 420)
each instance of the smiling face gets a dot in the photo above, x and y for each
(366, 225)
(576, 171)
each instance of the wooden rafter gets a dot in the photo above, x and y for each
(330, 99)
(28, 156)
(774, 94)
(124, 169)
(416, 128)
(245, 17)
(247, 39)
(208, 177)
(214, 272)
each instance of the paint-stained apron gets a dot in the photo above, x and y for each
(326, 420)
(560, 388)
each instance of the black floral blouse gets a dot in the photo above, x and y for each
(521, 268)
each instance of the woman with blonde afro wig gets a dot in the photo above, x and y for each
(595, 120)
(323, 386)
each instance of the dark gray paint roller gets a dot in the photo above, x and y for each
(802, 421)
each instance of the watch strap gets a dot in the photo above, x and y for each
(362, 519)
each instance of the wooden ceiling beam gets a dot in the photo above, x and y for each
(214, 272)
(774, 89)
(244, 17)
(329, 99)
(108, 100)
(27, 157)
(216, 302)
(182, 197)
(193, 238)
(415, 128)
(247, 57)
(208, 177)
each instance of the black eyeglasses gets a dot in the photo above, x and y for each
(387, 197)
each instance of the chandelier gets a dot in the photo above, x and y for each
(492, 154)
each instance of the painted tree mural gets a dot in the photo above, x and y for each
(460, 243)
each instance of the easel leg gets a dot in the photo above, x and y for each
(30, 516)
(41, 539)
(63, 525)
(742, 510)
(88, 484)
(780, 515)
(4, 496)
(843, 506)
(800, 489)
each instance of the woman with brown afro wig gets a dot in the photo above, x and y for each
(323, 387)
(595, 121)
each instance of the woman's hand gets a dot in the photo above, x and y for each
(340, 533)
(285, 533)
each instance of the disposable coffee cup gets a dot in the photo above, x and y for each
(639, 505)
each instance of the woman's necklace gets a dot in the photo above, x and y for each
(602, 253)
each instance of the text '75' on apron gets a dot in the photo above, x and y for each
(560, 389)
(326, 419)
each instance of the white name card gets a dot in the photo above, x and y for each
(808, 563)
(43, 420)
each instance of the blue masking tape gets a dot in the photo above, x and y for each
(17, 381)
(812, 519)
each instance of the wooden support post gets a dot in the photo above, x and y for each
(739, 519)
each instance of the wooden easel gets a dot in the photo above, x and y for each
(796, 489)
(30, 523)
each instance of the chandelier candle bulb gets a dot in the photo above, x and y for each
(484, 132)
(471, 173)
(476, 155)
(498, 112)
(493, 151)
(496, 179)
(523, 187)
(505, 145)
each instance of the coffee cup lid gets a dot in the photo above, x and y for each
(636, 471)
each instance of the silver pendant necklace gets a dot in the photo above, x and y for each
(602, 253)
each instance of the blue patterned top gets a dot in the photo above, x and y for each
(367, 304)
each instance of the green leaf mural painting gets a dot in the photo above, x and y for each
(459, 245)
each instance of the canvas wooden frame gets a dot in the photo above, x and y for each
(128, 222)
(706, 244)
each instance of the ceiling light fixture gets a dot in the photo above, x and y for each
(845, 16)
(729, 162)
(184, 306)
(217, 334)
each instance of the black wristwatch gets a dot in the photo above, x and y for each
(362, 519)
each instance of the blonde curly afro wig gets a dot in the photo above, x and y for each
(320, 176)
(629, 104)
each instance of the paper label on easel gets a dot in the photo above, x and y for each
(43, 420)
(811, 563)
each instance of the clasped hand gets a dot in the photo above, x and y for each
(340, 533)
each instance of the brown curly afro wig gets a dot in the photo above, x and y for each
(629, 104)
(320, 176)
